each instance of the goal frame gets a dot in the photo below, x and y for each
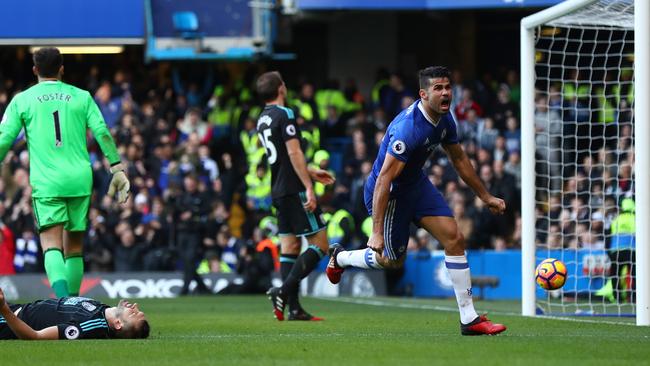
(641, 150)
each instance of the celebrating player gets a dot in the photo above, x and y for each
(293, 196)
(55, 117)
(398, 192)
(71, 318)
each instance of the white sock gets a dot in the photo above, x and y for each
(459, 272)
(362, 258)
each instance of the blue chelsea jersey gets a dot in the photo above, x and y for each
(411, 138)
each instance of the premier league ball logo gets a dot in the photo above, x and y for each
(399, 147)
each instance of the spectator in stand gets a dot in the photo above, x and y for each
(257, 262)
(466, 104)
(500, 152)
(513, 167)
(512, 135)
(486, 135)
(98, 243)
(110, 106)
(128, 252)
(190, 214)
(468, 128)
(229, 248)
(512, 80)
(7, 251)
(193, 123)
(504, 109)
(395, 96)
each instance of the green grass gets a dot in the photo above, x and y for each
(390, 331)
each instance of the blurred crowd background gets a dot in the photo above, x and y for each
(199, 177)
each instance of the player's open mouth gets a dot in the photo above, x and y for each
(444, 104)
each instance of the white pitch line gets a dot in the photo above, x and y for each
(453, 309)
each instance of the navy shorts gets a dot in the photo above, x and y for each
(294, 219)
(420, 200)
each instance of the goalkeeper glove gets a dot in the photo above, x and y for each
(119, 183)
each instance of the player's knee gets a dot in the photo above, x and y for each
(456, 244)
(291, 247)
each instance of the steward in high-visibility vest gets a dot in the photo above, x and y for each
(366, 227)
(608, 102)
(625, 222)
(330, 96)
(575, 90)
(310, 140)
(221, 113)
(340, 228)
(249, 140)
(258, 190)
(321, 161)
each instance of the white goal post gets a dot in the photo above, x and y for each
(585, 14)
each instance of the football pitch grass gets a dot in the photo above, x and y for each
(240, 330)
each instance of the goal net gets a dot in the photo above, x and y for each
(584, 158)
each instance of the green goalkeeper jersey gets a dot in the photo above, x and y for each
(55, 117)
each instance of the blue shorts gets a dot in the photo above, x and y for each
(420, 200)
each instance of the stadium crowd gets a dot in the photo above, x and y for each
(201, 188)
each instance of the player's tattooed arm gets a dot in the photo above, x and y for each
(20, 328)
(389, 171)
(466, 171)
(300, 167)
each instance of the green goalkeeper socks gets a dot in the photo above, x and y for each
(55, 269)
(74, 272)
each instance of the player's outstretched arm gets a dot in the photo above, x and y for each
(299, 164)
(389, 171)
(119, 183)
(20, 328)
(466, 171)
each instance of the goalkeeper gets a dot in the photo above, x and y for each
(55, 117)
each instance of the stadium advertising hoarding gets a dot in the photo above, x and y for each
(426, 275)
(168, 284)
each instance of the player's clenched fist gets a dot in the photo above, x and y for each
(496, 205)
(119, 183)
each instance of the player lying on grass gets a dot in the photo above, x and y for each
(71, 318)
(398, 192)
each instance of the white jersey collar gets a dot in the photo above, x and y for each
(426, 115)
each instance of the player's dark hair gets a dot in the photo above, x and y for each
(432, 72)
(144, 331)
(48, 61)
(268, 84)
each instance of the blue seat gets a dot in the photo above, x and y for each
(186, 23)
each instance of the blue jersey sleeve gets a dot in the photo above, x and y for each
(451, 137)
(400, 144)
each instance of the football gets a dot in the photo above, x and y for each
(551, 274)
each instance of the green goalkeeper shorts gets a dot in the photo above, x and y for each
(72, 212)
